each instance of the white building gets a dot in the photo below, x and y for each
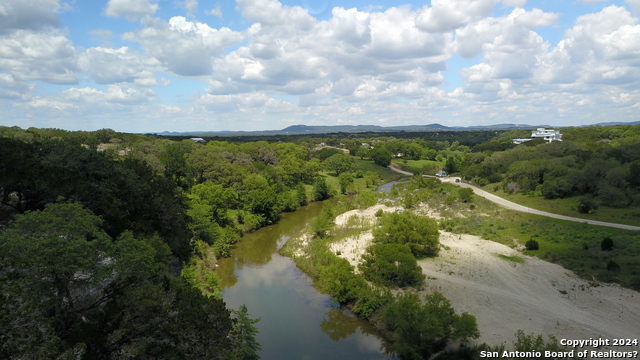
(548, 135)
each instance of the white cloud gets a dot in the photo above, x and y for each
(28, 15)
(46, 56)
(107, 66)
(273, 13)
(91, 100)
(184, 47)
(514, 3)
(10, 88)
(634, 5)
(131, 8)
(214, 12)
(448, 15)
(515, 27)
(190, 5)
(601, 48)
(337, 58)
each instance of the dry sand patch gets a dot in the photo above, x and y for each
(535, 296)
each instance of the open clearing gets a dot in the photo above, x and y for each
(535, 296)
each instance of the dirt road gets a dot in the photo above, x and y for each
(513, 206)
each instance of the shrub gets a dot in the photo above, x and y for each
(321, 190)
(532, 245)
(465, 195)
(606, 244)
(419, 330)
(418, 232)
(587, 204)
(613, 267)
(391, 265)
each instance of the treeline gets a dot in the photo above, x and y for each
(464, 137)
(108, 240)
(98, 226)
(601, 164)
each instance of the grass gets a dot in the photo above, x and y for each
(416, 165)
(514, 258)
(575, 246)
(628, 216)
(385, 174)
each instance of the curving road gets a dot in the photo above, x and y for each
(513, 206)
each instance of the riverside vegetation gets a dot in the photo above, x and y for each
(134, 270)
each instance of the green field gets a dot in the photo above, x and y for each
(628, 216)
(385, 174)
(431, 167)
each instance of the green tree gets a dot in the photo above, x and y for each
(391, 265)
(450, 165)
(243, 335)
(587, 204)
(420, 233)
(324, 222)
(345, 179)
(321, 190)
(260, 198)
(380, 156)
(301, 194)
(50, 262)
(339, 163)
(465, 195)
(363, 152)
(419, 330)
(67, 289)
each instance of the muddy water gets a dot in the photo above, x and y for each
(297, 322)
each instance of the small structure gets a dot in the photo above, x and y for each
(548, 135)
(199, 140)
(441, 173)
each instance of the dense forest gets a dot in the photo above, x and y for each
(108, 240)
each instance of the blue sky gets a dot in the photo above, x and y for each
(185, 65)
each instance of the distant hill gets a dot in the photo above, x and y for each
(328, 129)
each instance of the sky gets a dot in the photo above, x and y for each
(194, 65)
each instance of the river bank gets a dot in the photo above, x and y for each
(505, 290)
(296, 320)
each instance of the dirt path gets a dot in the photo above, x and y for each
(513, 206)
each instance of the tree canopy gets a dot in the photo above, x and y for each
(420, 233)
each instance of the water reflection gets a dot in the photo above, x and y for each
(338, 325)
(297, 322)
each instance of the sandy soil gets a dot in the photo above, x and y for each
(353, 248)
(535, 296)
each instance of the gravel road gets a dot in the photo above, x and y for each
(513, 206)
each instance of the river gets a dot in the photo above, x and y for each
(296, 321)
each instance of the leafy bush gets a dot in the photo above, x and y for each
(465, 195)
(532, 245)
(339, 280)
(420, 233)
(391, 265)
(419, 330)
(323, 223)
(613, 266)
(606, 244)
(321, 189)
(587, 204)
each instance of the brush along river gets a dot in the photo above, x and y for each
(296, 321)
